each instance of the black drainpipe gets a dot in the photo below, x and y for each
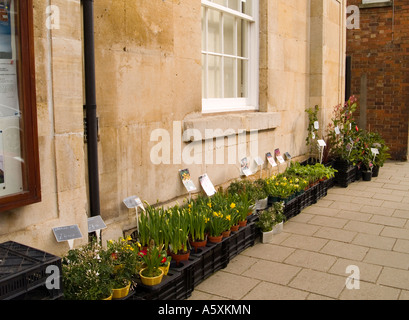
(91, 107)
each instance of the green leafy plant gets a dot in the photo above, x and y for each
(86, 273)
(178, 227)
(197, 214)
(313, 133)
(266, 220)
(126, 261)
(152, 258)
(342, 142)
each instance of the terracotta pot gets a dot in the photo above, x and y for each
(216, 239)
(243, 223)
(180, 257)
(226, 234)
(198, 244)
(235, 228)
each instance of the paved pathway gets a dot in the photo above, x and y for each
(365, 225)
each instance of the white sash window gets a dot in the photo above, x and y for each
(229, 55)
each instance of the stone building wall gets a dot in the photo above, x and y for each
(148, 79)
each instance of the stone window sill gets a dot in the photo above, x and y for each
(216, 126)
(376, 5)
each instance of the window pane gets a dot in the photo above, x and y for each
(234, 4)
(248, 7)
(11, 127)
(229, 78)
(221, 2)
(215, 76)
(228, 34)
(242, 38)
(214, 36)
(242, 76)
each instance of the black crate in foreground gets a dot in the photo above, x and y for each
(24, 269)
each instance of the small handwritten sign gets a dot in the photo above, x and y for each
(133, 202)
(322, 143)
(67, 233)
(96, 223)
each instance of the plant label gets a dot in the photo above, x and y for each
(337, 131)
(187, 181)
(245, 170)
(316, 125)
(207, 185)
(375, 151)
(270, 159)
(67, 233)
(96, 223)
(278, 155)
(259, 161)
(322, 143)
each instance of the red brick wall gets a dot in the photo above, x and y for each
(380, 50)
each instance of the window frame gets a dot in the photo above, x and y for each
(29, 136)
(250, 103)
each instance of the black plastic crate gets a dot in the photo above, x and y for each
(23, 269)
(210, 259)
(172, 287)
(239, 241)
(345, 177)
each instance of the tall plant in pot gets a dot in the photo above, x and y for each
(178, 228)
(197, 213)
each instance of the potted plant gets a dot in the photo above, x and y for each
(165, 262)
(215, 226)
(124, 256)
(266, 224)
(243, 205)
(86, 273)
(197, 214)
(152, 274)
(313, 134)
(379, 160)
(178, 229)
(279, 217)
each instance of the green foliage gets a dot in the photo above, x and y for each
(127, 262)
(152, 258)
(87, 273)
(313, 133)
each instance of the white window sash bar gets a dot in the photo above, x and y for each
(224, 55)
(220, 8)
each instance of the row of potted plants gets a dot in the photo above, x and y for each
(347, 145)
(165, 235)
(203, 219)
